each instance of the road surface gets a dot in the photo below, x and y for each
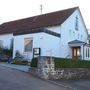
(11, 79)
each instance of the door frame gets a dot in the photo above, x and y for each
(76, 52)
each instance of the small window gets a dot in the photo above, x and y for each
(81, 36)
(76, 22)
(70, 32)
(89, 41)
(88, 52)
(28, 44)
(73, 33)
(78, 36)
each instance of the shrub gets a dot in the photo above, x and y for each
(18, 62)
(6, 51)
(71, 63)
(17, 54)
(34, 62)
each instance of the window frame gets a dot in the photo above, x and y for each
(31, 39)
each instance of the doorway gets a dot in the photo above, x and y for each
(76, 52)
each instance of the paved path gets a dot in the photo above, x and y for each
(11, 79)
(18, 67)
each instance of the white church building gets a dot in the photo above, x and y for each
(58, 34)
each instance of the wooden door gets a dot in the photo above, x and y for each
(76, 52)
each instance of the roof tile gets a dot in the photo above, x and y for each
(44, 20)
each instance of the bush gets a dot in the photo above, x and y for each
(17, 54)
(34, 62)
(70, 63)
(5, 51)
(18, 62)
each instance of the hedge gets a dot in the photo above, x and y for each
(34, 62)
(65, 63)
(71, 63)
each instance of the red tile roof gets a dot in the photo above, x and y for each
(44, 20)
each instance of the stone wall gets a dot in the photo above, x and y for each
(46, 70)
(45, 67)
(71, 73)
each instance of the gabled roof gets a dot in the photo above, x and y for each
(49, 19)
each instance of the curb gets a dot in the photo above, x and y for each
(62, 85)
(13, 67)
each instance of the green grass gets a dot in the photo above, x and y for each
(71, 63)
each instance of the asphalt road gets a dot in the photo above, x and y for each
(75, 84)
(11, 79)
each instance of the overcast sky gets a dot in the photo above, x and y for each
(17, 9)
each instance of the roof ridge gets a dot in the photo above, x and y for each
(41, 14)
(44, 20)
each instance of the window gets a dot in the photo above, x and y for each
(73, 33)
(81, 36)
(70, 32)
(89, 41)
(28, 44)
(76, 23)
(78, 36)
(1, 43)
(88, 52)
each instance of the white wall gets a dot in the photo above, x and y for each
(40, 40)
(51, 45)
(6, 38)
(19, 43)
(68, 33)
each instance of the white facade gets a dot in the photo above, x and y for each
(51, 45)
(6, 40)
(68, 33)
(55, 46)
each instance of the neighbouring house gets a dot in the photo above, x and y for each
(57, 34)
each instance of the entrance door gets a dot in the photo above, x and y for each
(76, 52)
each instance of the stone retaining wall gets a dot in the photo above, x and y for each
(46, 70)
(71, 73)
(63, 73)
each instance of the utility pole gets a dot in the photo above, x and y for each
(41, 8)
